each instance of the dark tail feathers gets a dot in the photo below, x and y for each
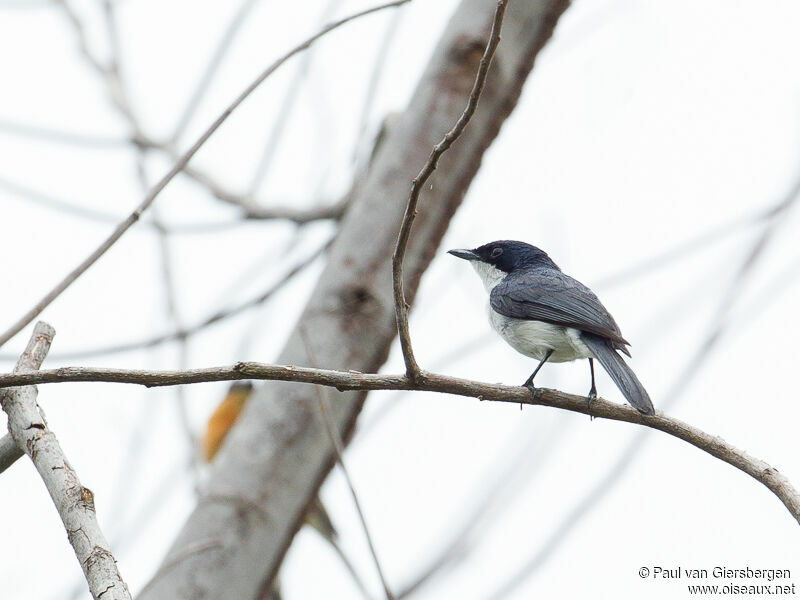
(620, 372)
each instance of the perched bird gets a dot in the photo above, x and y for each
(547, 315)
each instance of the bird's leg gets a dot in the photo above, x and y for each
(592, 392)
(529, 382)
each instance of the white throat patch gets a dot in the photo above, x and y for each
(490, 276)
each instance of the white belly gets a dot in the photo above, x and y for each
(537, 338)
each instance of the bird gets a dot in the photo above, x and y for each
(547, 315)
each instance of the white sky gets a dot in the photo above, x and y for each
(644, 125)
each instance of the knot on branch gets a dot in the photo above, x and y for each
(86, 499)
(98, 555)
(242, 366)
(416, 377)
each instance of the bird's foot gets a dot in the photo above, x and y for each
(591, 396)
(529, 384)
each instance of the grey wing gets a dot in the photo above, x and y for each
(556, 298)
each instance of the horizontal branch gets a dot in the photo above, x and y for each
(299, 216)
(431, 382)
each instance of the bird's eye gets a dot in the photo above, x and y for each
(496, 252)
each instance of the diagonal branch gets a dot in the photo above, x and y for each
(75, 503)
(177, 168)
(400, 304)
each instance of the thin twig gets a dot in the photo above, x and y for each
(430, 382)
(252, 209)
(165, 255)
(107, 70)
(299, 216)
(338, 448)
(74, 503)
(216, 317)
(177, 168)
(401, 307)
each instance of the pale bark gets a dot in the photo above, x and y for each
(276, 457)
(75, 503)
(9, 452)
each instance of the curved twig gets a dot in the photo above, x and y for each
(400, 305)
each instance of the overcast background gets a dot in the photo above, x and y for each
(645, 126)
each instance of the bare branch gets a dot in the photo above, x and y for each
(108, 71)
(216, 317)
(75, 503)
(9, 452)
(401, 307)
(177, 168)
(300, 216)
(251, 209)
(120, 99)
(431, 382)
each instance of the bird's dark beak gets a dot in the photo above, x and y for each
(465, 254)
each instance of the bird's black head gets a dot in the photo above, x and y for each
(507, 255)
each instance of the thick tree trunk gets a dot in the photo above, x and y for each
(278, 454)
